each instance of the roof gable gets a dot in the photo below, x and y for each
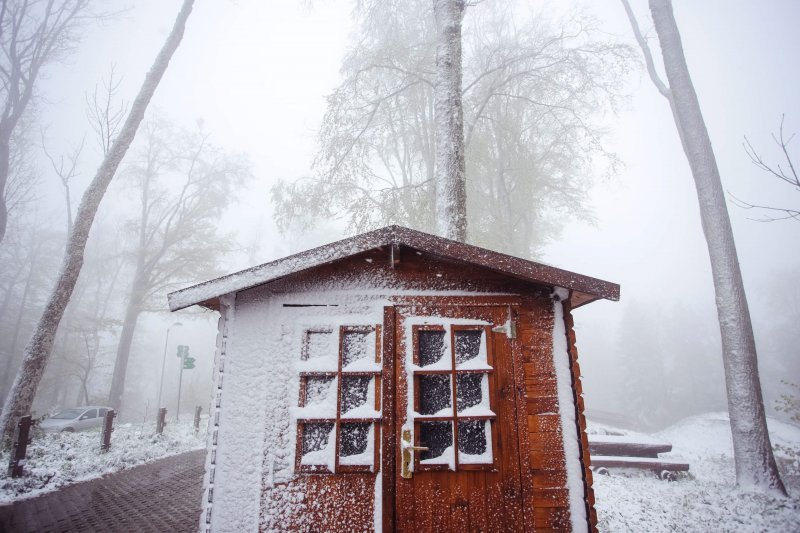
(586, 289)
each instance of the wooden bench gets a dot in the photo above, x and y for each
(619, 451)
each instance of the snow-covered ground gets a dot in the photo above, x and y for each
(705, 499)
(55, 460)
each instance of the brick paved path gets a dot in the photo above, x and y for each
(160, 496)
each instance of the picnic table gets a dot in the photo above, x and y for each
(640, 452)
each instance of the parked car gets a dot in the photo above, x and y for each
(75, 419)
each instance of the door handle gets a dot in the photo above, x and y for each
(405, 470)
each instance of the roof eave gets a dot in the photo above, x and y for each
(208, 292)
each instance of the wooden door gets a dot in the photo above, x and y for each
(455, 396)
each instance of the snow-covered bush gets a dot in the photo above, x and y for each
(58, 459)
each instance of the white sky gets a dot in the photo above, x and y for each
(257, 72)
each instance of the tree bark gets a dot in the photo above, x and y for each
(451, 186)
(135, 297)
(132, 313)
(5, 163)
(37, 352)
(18, 325)
(33, 258)
(755, 463)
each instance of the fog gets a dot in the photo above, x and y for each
(254, 77)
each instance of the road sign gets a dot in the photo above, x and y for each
(188, 363)
(183, 350)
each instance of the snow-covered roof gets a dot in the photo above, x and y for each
(585, 289)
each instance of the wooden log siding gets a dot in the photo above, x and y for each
(577, 391)
(550, 498)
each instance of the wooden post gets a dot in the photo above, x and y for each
(20, 446)
(108, 427)
(161, 421)
(197, 411)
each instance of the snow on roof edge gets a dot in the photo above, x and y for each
(438, 246)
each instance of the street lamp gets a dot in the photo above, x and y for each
(164, 363)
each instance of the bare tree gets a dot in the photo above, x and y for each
(83, 355)
(785, 172)
(33, 34)
(66, 168)
(28, 257)
(23, 175)
(755, 463)
(91, 323)
(104, 112)
(534, 90)
(20, 397)
(183, 183)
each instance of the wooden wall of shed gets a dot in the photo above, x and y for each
(577, 391)
(320, 502)
(549, 497)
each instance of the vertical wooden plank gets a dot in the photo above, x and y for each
(521, 357)
(339, 380)
(389, 435)
(508, 487)
(404, 489)
(454, 394)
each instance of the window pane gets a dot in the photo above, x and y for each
(435, 395)
(432, 349)
(320, 344)
(355, 393)
(320, 352)
(438, 438)
(315, 436)
(468, 346)
(318, 446)
(356, 444)
(69, 414)
(358, 347)
(474, 442)
(320, 399)
(468, 391)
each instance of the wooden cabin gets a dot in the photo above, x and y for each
(397, 381)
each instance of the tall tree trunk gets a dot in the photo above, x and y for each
(134, 308)
(132, 313)
(8, 293)
(82, 397)
(451, 186)
(12, 351)
(755, 463)
(5, 168)
(18, 325)
(20, 397)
